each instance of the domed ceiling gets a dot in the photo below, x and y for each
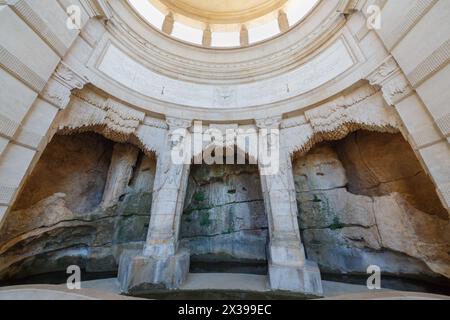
(222, 11)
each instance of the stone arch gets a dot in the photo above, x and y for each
(106, 219)
(224, 224)
(362, 109)
(356, 209)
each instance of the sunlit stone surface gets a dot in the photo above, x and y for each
(89, 116)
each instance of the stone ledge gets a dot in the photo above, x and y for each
(304, 279)
(137, 272)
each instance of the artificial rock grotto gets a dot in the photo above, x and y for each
(86, 132)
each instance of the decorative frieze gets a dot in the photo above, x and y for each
(293, 122)
(156, 123)
(432, 64)
(42, 29)
(118, 125)
(6, 194)
(88, 111)
(392, 81)
(364, 108)
(443, 124)
(417, 12)
(18, 69)
(8, 127)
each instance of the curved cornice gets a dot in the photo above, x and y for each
(285, 76)
(168, 56)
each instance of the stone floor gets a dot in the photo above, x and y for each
(108, 289)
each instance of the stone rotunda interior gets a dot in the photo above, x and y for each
(361, 116)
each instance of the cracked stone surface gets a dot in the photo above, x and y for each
(61, 220)
(364, 200)
(224, 217)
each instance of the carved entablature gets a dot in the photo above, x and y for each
(59, 88)
(89, 111)
(121, 121)
(269, 123)
(178, 123)
(392, 81)
(364, 108)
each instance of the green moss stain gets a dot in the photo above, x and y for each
(204, 219)
(199, 196)
(336, 224)
(138, 203)
(232, 191)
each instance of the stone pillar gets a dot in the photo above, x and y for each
(207, 37)
(244, 36)
(288, 268)
(123, 160)
(167, 26)
(283, 21)
(162, 263)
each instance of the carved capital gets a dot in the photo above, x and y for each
(63, 81)
(392, 81)
(269, 123)
(56, 93)
(178, 123)
(383, 72)
(396, 89)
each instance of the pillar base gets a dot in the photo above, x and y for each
(305, 279)
(138, 273)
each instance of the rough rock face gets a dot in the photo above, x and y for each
(365, 200)
(60, 219)
(224, 218)
(75, 165)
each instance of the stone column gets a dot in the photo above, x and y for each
(162, 263)
(123, 160)
(167, 26)
(243, 36)
(207, 37)
(288, 268)
(283, 22)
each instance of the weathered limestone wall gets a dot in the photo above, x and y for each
(366, 200)
(75, 165)
(60, 218)
(224, 219)
(33, 90)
